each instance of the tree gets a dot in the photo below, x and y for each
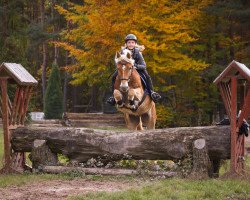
(165, 28)
(168, 29)
(53, 96)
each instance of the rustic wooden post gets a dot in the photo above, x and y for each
(7, 148)
(13, 112)
(227, 82)
(233, 123)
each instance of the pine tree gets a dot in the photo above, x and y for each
(53, 96)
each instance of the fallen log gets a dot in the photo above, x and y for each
(104, 171)
(81, 144)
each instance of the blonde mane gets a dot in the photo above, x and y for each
(125, 56)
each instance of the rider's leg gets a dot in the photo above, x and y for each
(111, 100)
(154, 95)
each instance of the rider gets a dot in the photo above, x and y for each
(140, 65)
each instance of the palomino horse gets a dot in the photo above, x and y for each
(138, 108)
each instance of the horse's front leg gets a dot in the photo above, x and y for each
(118, 98)
(134, 97)
(131, 99)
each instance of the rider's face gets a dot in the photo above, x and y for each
(131, 44)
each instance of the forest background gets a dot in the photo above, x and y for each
(187, 43)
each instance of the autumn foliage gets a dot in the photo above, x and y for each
(188, 44)
(165, 28)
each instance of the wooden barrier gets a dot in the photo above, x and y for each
(81, 144)
(13, 110)
(229, 82)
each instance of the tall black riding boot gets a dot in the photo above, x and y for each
(111, 100)
(154, 95)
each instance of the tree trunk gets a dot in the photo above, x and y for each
(56, 50)
(44, 46)
(81, 144)
(4, 20)
(65, 84)
(231, 49)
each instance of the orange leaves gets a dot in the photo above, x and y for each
(164, 27)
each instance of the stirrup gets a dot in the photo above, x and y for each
(155, 96)
(111, 101)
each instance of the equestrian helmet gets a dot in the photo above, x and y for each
(130, 37)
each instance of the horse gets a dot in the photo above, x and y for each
(130, 97)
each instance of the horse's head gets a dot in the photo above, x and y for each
(125, 66)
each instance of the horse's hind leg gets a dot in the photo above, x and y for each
(153, 116)
(149, 118)
(132, 122)
(140, 127)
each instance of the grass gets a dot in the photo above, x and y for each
(179, 189)
(28, 178)
(21, 179)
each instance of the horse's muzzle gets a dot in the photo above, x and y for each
(123, 88)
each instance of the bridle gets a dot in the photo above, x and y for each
(127, 79)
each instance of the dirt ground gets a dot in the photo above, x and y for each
(61, 189)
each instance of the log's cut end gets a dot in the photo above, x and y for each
(200, 143)
(39, 143)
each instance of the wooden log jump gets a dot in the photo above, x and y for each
(81, 144)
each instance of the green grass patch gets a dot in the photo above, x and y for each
(21, 179)
(28, 178)
(179, 189)
(225, 165)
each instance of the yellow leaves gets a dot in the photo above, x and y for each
(165, 27)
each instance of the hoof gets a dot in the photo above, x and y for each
(111, 101)
(155, 96)
(131, 102)
(133, 108)
(120, 104)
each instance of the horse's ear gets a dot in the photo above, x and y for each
(128, 55)
(118, 55)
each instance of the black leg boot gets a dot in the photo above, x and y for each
(111, 100)
(154, 95)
